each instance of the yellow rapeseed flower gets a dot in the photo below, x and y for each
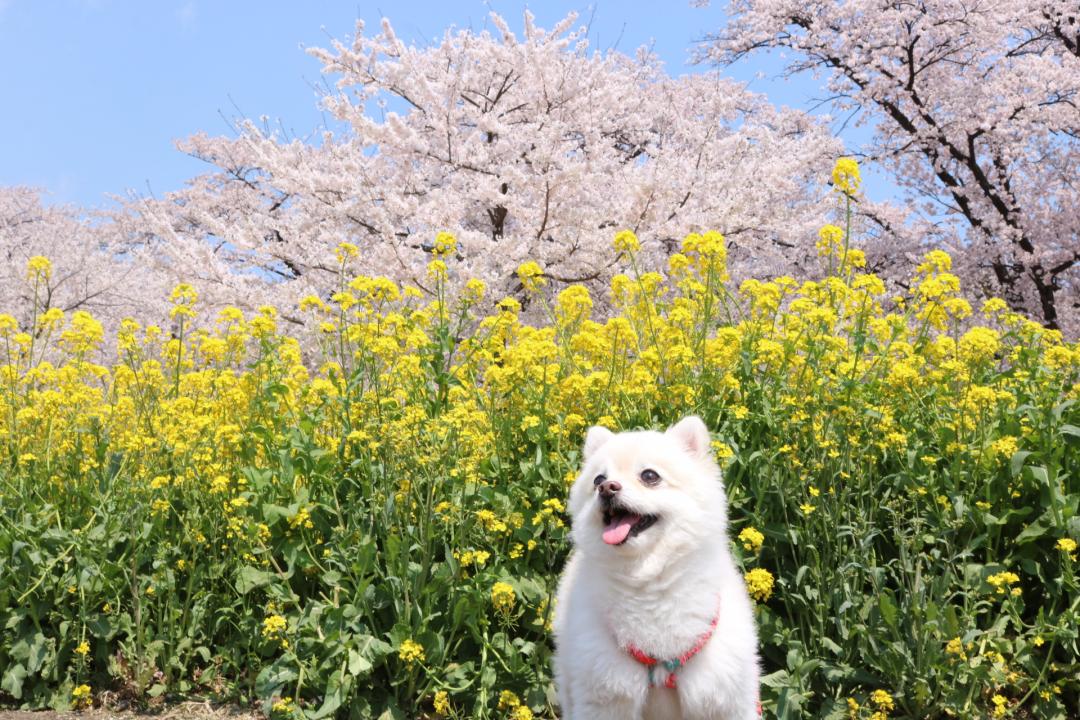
(845, 175)
(274, 626)
(573, 304)
(80, 696)
(472, 557)
(1002, 580)
(531, 275)
(345, 251)
(759, 583)
(830, 241)
(883, 700)
(411, 651)
(474, 289)
(39, 266)
(436, 271)
(1004, 447)
(184, 294)
(503, 597)
(626, 241)
(508, 700)
(51, 318)
(956, 647)
(751, 538)
(442, 703)
(302, 519)
(445, 244)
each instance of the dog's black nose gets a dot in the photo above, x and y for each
(609, 488)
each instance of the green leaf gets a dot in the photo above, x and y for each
(39, 648)
(272, 513)
(392, 713)
(778, 679)
(250, 578)
(333, 700)
(1038, 474)
(372, 649)
(358, 664)
(13, 681)
(831, 646)
(1033, 531)
(1017, 462)
(487, 677)
(1070, 432)
(272, 678)
(888, 610)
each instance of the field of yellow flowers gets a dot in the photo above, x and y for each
(377, 532)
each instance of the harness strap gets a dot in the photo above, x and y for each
(677, 663)
(673, 664)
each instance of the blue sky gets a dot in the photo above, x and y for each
(97, 91)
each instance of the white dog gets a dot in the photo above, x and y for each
(653, 620)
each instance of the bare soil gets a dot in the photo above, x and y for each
(180, 711)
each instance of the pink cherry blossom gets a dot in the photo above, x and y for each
(976, 108)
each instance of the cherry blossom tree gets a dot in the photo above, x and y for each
(975, 105)
(94, 265)
(528, 147)
(111, 264)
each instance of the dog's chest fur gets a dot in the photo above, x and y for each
(662, 704)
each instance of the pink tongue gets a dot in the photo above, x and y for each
(618, 529)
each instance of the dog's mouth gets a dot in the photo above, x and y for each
(620, 525)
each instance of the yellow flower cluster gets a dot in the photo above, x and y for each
(38, 267)
(956, 647)
(751, 538)
(626, 241)
(283, 706)
(531, 276)
(411, 652)
(476, 558)
(1002, 580)
(511, 702)
(273, 629)
(845, 175)
(503, 597)
(441, 703)
(884, 703)
(80, 696)
(759, 583)
(302, 519)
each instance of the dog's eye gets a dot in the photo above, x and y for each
(650, 477)
(599, 479)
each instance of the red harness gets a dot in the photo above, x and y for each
(672, 665)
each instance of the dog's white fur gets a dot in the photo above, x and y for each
(659, 590)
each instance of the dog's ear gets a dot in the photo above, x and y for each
(692, 435)
(597, 436)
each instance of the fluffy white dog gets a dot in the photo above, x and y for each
(653, 621)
